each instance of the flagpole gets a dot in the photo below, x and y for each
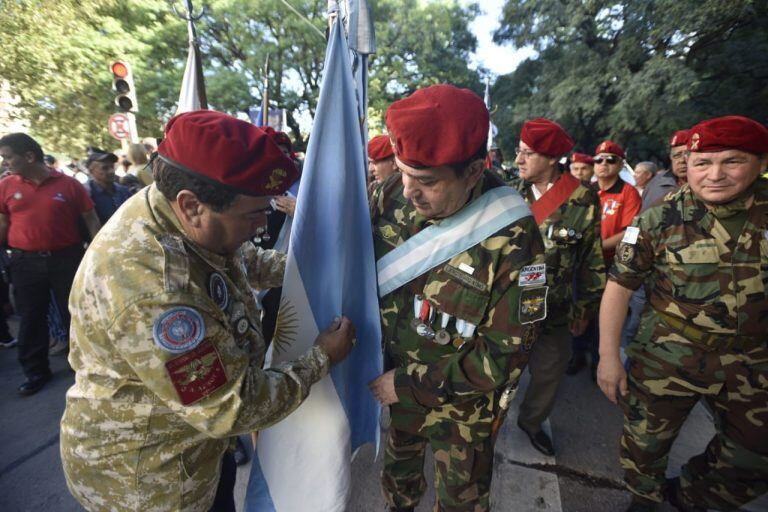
(265, 99)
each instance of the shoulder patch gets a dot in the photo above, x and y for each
(533, 304)
(197, 373)
(178, 330)
(533, 275)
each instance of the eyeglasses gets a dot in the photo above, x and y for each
(606, 159)
(526, 153)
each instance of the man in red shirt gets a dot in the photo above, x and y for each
(39, 213)
(619, 201)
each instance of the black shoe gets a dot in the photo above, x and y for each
(33, 385)
(575, 365)
(639, 504)
(240, 454)
(676, 499)
(540, 440)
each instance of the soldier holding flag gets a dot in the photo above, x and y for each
(462, 283)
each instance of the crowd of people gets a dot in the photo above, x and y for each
(502, 270)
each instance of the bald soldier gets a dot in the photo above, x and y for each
(703, 257)
(567, 212)
(462, 283)
(166, 338)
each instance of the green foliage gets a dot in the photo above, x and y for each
(632, 71)
(56, 55)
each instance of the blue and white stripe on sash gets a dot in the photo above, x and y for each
(494, 210)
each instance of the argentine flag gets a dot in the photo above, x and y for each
(303, 462)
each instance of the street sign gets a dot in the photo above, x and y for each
(119, 126)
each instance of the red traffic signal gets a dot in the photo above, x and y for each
(122, 83)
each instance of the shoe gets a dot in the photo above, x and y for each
(60, 347)
(33, 385)
(9, 344)
(240, 454)
(540, 440)
(676, 499)
(639, 504)
(575, 365)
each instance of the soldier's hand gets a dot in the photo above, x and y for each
(383, 388)
(611, 375)
(337, 340)
(286, 204)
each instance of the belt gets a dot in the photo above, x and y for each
(46, 254)
(710, 341)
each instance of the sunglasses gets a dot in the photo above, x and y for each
(607, 159)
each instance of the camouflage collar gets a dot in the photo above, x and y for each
(693, 209)
(168, 222)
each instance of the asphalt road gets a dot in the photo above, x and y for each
(584, 475)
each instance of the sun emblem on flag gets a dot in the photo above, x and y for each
(286, 327)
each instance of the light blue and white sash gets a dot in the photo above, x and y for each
(494, 210)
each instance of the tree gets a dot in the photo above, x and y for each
(58, 52)
(633, 71)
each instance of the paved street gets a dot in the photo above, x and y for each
(584, 476)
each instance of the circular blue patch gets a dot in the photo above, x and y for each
(217, 289)
(178, 330)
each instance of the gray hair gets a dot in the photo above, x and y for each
(648, 166)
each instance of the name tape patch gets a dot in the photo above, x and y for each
(630, 235)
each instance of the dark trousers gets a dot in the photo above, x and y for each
(5, 334)
(34, 276)
(225, 492)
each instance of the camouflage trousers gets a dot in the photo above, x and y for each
(666, 380)
(462, 473)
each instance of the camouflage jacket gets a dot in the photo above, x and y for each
(699, 281)
(576, 272)
(167, 345)
(450, 392)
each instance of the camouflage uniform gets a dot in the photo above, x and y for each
(144, 429)
(449, 394)
(574, 256)
(704, 335)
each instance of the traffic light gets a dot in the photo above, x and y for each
(122, 83)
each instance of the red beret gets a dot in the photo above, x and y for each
(611, 147)
(680, 138)
(280, 138)
(582, 158)
(438, 125)
(729, 132)
(380, 147)
(546, 137)
(221, 148)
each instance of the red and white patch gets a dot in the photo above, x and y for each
(197, 374)
(533, 275)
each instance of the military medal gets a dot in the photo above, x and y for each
(217, 289)
(238, 311)
(425, 331)
(260, 235)
(442, 337)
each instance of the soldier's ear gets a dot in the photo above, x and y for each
(475, 171)
(189, 208)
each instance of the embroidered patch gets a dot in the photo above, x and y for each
(630, 235)
(178, 330)
(533, 275)
(466, 268)
(529, 336)
(626, 253)
(465, 278)
(197, 373)
(217, 289)
(533, 304)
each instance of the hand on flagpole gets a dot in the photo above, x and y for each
(286, 204)
(383, 388)
(337, 340)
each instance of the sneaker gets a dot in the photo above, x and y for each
(59, 348)
(9, 344)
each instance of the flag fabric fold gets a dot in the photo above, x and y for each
(192, 95)
(303, 462)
